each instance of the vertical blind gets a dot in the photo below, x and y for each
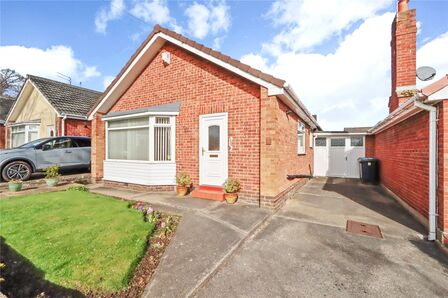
(131, 139)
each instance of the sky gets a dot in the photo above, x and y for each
(335, 54)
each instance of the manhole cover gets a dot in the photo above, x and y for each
(361, 228)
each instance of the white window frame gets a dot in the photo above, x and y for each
(151, 124)
(301, 131)
(27, 130)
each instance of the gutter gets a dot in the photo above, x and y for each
(432, 165)
(70, 116)
(406, 110)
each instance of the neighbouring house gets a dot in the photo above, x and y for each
(336, 153)
(5, 105)
(412, 141)
(178, 106)
(46, 108)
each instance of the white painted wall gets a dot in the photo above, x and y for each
(137, 172)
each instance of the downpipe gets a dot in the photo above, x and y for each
(432, 236)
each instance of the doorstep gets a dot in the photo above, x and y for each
(207, 192)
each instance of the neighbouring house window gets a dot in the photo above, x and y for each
(321, 142)
(338, 142)
(22, 134)
(300, 138)
(357, 141)
(144, 139)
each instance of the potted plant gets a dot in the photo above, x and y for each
(52, 175)
(231, 188)
(183, 181)
(15, 185)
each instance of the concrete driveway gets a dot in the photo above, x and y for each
(304, 251)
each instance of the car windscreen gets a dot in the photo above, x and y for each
(33, 143)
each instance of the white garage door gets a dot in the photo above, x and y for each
(337, 156)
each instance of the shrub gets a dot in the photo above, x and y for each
(15, 181)
(231, 185)
(52, 172)
(183, 179)
(78, 188)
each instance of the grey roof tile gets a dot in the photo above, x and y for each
(65, 98)
(6, 104)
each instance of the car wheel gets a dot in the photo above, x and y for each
(17, 170)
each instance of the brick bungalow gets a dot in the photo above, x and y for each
(5, 105)
(412, 142)
(47, 108)
(178, 106)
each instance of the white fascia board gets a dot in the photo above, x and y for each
(272, 89)
(27, 83)
(140, 115)
(125, 74)
(341, 133)
(442, 94)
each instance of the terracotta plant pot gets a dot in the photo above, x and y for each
(182, 190)
(231, 197)
(13, 187)
(52, 181)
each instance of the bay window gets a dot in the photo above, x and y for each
(21, 134)
(141, 139)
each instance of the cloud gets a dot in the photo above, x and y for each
(113, 12)
(308, 23)
(349, 87)
(433, 53)
(155, 11)
(107, 80)
(47, 62)
(204, 19)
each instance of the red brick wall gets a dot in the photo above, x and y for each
(403, 153)
(279, 151)
(75, 127)
(370, 146)
(2, 136)
(203, 88)
(403, 54)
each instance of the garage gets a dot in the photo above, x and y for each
(336, 153)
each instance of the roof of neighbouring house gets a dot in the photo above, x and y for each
(213, 55)
(5, 105)
(66, 98)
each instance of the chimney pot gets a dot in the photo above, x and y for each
(402, 5)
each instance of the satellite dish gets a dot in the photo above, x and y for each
(425, 73)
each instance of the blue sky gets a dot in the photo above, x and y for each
(335, 54)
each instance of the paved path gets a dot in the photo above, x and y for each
(302, 250)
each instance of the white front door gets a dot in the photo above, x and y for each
(213, 149)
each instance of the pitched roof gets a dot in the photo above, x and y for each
(228, 62)
(66, 98)
(5, 105)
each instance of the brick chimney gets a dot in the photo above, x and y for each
(403, 46)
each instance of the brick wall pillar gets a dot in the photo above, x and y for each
(98, 147)
(403, 56)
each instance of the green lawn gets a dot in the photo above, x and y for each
(78, 239)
